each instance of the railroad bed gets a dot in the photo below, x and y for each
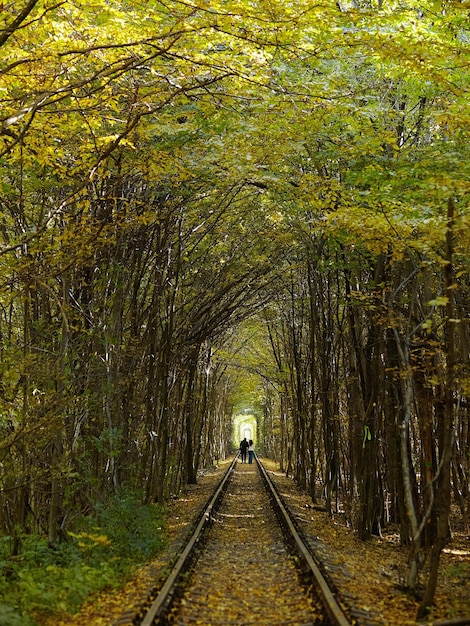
(243, 572)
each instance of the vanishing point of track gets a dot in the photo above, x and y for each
(245, 563)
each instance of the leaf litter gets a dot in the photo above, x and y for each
(369, 573)
(244, 574)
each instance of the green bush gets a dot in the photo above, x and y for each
(135, 531)
(9, 616)
(100, 553)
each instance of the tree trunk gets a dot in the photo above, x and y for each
(443, 496)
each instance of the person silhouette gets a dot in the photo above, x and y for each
(243, 448)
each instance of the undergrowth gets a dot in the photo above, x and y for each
(100, 553)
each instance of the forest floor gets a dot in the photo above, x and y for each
(370, 573)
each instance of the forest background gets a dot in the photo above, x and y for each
(207, 207)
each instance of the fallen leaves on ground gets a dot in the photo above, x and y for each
(371, 572)
(245, 574)
(110, 606)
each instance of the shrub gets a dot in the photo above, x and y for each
(102, 551)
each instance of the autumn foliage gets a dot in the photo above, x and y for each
(205, 205)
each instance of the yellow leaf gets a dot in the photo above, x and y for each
(439, 301)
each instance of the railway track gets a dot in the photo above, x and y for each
(245, 563)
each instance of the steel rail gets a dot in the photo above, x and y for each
(163, 599)
(332, 606)
(167, 589)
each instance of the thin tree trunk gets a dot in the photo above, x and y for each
(443, 496)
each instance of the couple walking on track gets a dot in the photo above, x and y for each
(245, 446)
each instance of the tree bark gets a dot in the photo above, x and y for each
(443, 496)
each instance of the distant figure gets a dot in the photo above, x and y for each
(251, 451)
(243, 448)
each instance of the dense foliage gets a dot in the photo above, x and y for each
(109, 543)
(171, 169)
